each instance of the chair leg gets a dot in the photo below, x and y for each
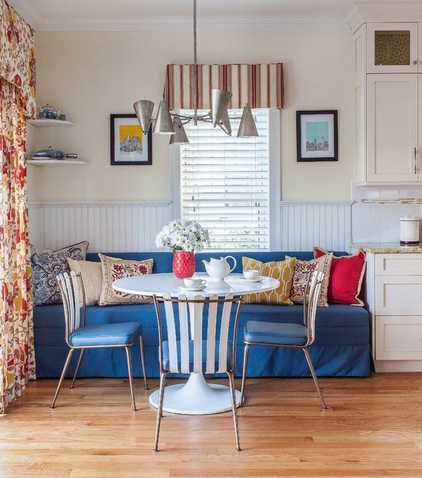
(311, 368)
(160, 408)
(233, 397)
(81, 355)
(65, 367)
(245, 366)
(141, 346)
(130, 374)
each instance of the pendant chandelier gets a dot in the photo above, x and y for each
(171, 123)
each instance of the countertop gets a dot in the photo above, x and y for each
(386, 247)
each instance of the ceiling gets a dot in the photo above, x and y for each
(46, 15)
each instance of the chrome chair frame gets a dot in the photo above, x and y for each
(309, 317)
(190, 360)
(73, 296)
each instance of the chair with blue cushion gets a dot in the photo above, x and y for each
(275, 334)
(80, 336)
(197, 342)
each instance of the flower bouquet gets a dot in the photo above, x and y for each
(184, 237)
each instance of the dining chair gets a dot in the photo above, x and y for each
(80, 336)
(197, 342)
(275, 334)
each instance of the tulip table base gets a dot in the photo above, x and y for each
(196, 397)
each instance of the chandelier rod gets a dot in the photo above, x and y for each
(195, 69)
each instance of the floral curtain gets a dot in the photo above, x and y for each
(260, 85)
(17, 103)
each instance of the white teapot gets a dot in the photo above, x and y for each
(219, 268)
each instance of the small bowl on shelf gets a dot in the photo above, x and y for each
(72, 155)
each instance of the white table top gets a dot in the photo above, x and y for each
(160, 284)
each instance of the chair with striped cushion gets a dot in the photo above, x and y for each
(276, 334)
(80, 336)
(197, 342)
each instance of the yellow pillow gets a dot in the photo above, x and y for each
(280, 270)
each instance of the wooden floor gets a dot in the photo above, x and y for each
(373, 428)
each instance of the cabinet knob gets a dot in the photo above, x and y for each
(415, 62)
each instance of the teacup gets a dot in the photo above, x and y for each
(194, 282)
(251, 274)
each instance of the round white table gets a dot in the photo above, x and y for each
(196, 396)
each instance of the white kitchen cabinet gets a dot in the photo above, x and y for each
(393, 140)
(388, 100)
(393, 48)
(394, 284)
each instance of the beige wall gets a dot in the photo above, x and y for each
(90, 75)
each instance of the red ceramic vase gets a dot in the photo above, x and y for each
(183, 264)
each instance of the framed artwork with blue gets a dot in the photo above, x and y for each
(316, 135)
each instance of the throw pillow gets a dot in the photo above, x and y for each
(280, 270)
(92, 278)
(346, 276)
(114, 269)
(303, 269)
(46, 265)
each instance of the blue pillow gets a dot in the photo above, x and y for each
(46, 264)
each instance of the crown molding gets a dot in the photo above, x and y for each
(24, 8)
(26, 11)
(384, 12)
(185, 23)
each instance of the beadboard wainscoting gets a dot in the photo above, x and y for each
(308, 224)
(132, 226)
(108, 226)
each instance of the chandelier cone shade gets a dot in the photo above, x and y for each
(164, 122)
(180, 136)
(144, 110)
(247, 127)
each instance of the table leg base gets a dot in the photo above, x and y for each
(196, 397)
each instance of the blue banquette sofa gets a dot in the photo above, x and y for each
(342, 345)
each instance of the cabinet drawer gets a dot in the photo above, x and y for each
(398, 295)
(398, 338)
(398, 264)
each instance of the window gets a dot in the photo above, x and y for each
(226, 183)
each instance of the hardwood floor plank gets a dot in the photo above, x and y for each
(372, 428)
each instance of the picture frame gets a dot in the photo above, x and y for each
(128, 145)
(316, 135)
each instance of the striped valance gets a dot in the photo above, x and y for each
(259, 85)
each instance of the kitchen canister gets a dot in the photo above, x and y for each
(409, 231)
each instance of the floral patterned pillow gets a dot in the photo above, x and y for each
(303, 269)
(46, 265)
(114, 269)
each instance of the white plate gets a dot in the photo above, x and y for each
(202, 287)
(258, 279)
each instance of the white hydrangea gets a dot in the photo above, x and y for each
(183, 235)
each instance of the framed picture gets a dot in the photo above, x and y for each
(128, 146)
(316, 135)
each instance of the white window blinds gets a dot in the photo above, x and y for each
(225, 183)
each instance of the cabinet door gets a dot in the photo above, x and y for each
(398, 295)
(392, 128)
(398, 338)
(392, 48)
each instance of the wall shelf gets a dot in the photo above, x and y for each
(51, 162)
(40, 123)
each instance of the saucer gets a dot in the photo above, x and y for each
(202, 287)
(258, 279)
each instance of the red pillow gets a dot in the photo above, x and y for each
(346, 275)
